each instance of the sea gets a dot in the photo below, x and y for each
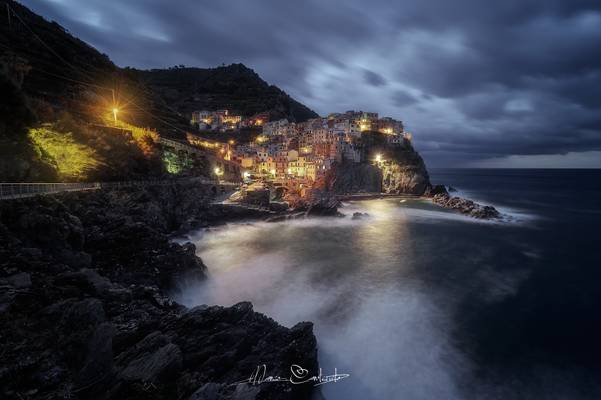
(419, 302)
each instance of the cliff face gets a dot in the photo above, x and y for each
(401, 171)
(405, 173)
(352, 178)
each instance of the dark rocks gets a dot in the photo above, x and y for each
(87, 312)
(441, 197)
(255, 194)
(209, 391)
(322, 205)
(316, 202)
(358, 215)
(84, 311)
(349, 177)
(401, 171)
(21, 280)
(405, 176)
(465, 206)
(163, 363)
(278, 206)
(98, 365)
(436, 189)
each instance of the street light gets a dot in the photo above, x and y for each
(218, 172)
(378, 158)
(115, 111)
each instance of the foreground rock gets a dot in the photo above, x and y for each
(359, 215)
(441, 197)
(313, 203)
(84, 311)
(255, 194)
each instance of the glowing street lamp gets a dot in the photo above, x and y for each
(218, 172)
(115, 111)
(273, 172)
(378, 158)
(246, 175)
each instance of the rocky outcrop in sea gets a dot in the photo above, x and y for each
(441, 197)
(85, 311)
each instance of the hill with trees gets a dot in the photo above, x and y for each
(59, 93)
(234, 87)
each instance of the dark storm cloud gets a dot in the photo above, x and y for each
(473, 80)
(401, 98)
(373, 78)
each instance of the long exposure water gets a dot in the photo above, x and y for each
(416, 302)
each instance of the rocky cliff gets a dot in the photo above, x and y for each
(349, 177)
(84, 311)
(400, 170)
(404, 172)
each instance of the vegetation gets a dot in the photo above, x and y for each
(233, 87)
(18, 161)
(67, 84)
(176, 163)
(146, 139)
(73, 161)
(78, 151)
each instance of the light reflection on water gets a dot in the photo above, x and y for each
(358, 281)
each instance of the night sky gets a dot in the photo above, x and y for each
(511, 83)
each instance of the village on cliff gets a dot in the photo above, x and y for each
(296, 154)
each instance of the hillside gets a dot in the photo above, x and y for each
(58, 72)
(233, 87)
(59, 94)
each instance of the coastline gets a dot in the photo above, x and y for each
(85, 310)
(89, 270)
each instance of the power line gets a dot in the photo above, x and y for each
(9, 10)
(35, 35)
(72, 80)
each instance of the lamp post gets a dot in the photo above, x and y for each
(115, 111)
